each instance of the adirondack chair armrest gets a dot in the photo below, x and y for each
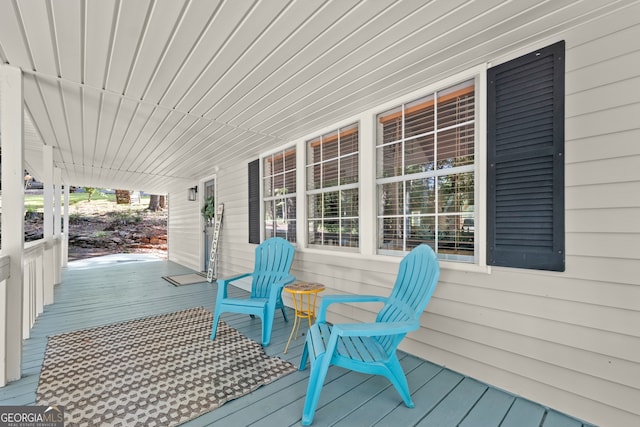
(223, 283)
(332, 299)
(375, 329)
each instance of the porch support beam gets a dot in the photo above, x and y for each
(12, 137)
(57, 202)
(57, 224)
(47, 187)
(47, 183)
(65, 229)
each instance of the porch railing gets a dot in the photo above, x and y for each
(42, 269)
(5, 271)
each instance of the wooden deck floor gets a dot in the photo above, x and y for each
(116, 288)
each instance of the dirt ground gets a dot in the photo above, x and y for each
(101, 227)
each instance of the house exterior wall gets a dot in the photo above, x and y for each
(184, 229)
(569, 340)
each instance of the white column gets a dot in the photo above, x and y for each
(47, 183)
(57, 224)
(57, 202)
(65, 236)
(11, 135)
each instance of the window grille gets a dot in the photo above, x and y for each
(332, 188)
(426, 174)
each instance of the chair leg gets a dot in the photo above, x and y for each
(304, 357)
(316, 381)
(267, 324)
(284, 314)
(399, 380)
(214, 327)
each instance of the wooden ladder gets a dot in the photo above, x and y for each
(213, 256)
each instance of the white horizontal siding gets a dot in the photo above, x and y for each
(611, 121)
(513, 327)
(605, 171)
(609, 270)
(620, 245)
(619, 145)
(597, 196)
(562, 388)
(602, 376)
(184, 244)
(604, 220)
(235, 253)
(569, 340)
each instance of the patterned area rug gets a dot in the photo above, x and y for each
(186, 279)
(157, 371)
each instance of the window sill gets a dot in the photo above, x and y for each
(466, 267)
(349, 254)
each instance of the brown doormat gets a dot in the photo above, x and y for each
(161, 370)
(186, 279)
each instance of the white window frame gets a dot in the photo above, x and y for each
(336, 188)
(294, 195)
(479, 73)
(367, 179)
(435, 174)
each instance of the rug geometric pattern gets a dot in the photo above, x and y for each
(157, 371)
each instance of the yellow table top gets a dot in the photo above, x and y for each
(304, 287)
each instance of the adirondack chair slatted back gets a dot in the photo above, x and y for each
(416, 280)
(273, 259)
(359, 347)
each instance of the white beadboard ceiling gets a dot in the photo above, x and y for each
(136, 94)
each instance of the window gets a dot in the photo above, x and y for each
(332, 188)
(426, 173)
(279, 194)
(429, 155)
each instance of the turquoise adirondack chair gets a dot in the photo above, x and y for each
(273, 260)
(370, 348)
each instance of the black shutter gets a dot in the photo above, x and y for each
(525, 206)
(254, 201)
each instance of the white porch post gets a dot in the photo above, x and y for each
(57, 224)
(57, 202)
(65, 239)
(47, 182)
(11, 134)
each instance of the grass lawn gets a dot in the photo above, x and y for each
(35, 202)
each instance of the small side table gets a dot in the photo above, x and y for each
(305, 308)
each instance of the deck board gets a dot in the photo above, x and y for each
(114, 289)
(489, 410)
(524, 413)
(456, 405)
(378, 402)
(556, 419)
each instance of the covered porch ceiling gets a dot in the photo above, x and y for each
(136, 94)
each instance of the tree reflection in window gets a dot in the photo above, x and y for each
(425, 173)
(279, 190)
(332, 188)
